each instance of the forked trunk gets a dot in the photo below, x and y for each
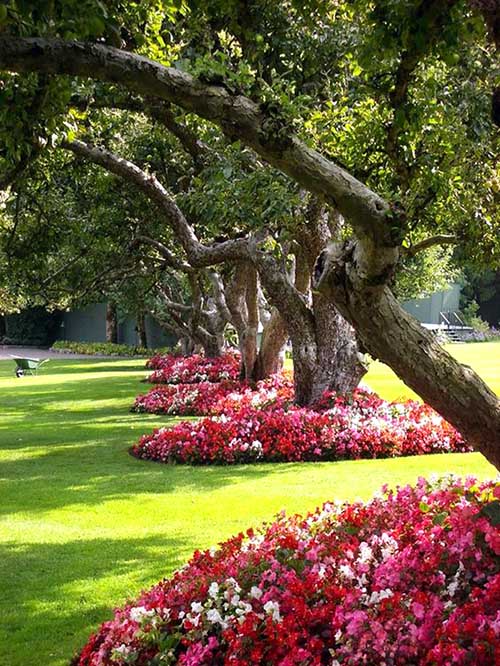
(187, 346)
(212, 345)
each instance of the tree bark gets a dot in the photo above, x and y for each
(325, 356)
(269, 360)
(111, 323)
(394, 337)
(141, 329)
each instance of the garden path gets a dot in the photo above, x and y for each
(7, 351)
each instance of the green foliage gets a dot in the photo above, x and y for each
(325, 70)
(425, 273)
(484, 288)
(470, 315)
(106, 349)
(34, 326)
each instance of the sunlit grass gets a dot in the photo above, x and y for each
(83, 526)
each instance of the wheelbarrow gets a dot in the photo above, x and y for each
(28, 365)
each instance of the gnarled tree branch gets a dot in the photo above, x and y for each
(238, 116)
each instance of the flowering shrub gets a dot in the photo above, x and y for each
(411, 577)
(172, 369)
(362, 426)
(184, 399)
(213, 397)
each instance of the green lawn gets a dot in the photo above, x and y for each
(84, 526)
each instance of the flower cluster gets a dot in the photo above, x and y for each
(412, 577)
(196, 399)
(172, 369)
(199, 399)
(360, 426)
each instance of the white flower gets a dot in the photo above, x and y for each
(346, 571)
(140, 613)
(365, 553)
(235, 600)
(215, 617)
(455, 583)
(256, 592)
(377, 597)
(390, 545)
(196, 607)
(233, 583)
(272, 608)
(213, 590)
(243, 608)
(122, 650)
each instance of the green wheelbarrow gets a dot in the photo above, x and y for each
(26, 366)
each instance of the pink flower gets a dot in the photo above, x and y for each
(279, 595)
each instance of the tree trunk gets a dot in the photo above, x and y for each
(141, 329)
(212, 345)
(326, 357)
(111, 323)
(394, 337)
(248, 341)
(187, 346)
(269, 360)
(241, 297)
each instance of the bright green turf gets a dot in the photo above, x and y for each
(84, 526)
(484, 357)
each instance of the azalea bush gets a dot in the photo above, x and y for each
(173, 369)
(360, 426)
(199, 399)
(411, 577)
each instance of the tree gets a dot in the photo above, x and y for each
(353, 275)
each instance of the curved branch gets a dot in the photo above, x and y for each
(158, 110)
(199, 255)
(439, 239)
(239, 117)
(170, 259)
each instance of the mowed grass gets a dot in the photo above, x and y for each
(83, 526)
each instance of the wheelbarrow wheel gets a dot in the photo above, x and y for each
(19, 372)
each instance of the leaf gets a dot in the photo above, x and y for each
(439, 518)
(491, 512)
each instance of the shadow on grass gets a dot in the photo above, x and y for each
(65, 367)
(54, 584)
(85, 475)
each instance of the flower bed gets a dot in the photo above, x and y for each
(409, 578)
(362, 426)
(184, 399)
(213, 397)
(100, 348)
(172, 369)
